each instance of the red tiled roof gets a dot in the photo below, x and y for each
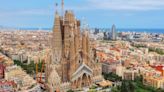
(158, 68)
(7, 83)
(115, 49)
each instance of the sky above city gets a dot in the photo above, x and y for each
(97, 13)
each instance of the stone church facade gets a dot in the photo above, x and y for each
(74, 63)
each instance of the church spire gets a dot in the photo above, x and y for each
(57, 39)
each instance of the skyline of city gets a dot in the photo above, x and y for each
(85, 46)
(129, 14)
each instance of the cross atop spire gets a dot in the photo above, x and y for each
(62, 8)
(56, 5)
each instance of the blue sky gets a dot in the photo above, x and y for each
(97, 13)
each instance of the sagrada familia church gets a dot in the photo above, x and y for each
(74, 64)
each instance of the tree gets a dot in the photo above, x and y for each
(131, 87)
(70, 90)
(159, 90)
(112, 77)
(30, 68)
(124, 87)
(115, 89)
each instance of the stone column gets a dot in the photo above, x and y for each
(73, 85)
(28, 59)
(132, 75)
(88, 83)
(76, 84)
(80, 82)
(21, 58)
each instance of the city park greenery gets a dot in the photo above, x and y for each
(130, 85)
(112, 77)
(29, 68)
(157, 50)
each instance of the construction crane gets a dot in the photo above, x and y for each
(36, 69)
(43, 64)
(44, 57)
(39, 76)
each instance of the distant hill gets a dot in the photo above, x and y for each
(1, 27)
(29, 28)
(4, 27)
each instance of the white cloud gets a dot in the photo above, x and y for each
(122, 5)
(24, 12)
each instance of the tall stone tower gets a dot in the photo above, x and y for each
(57, 40)
(74, 60)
